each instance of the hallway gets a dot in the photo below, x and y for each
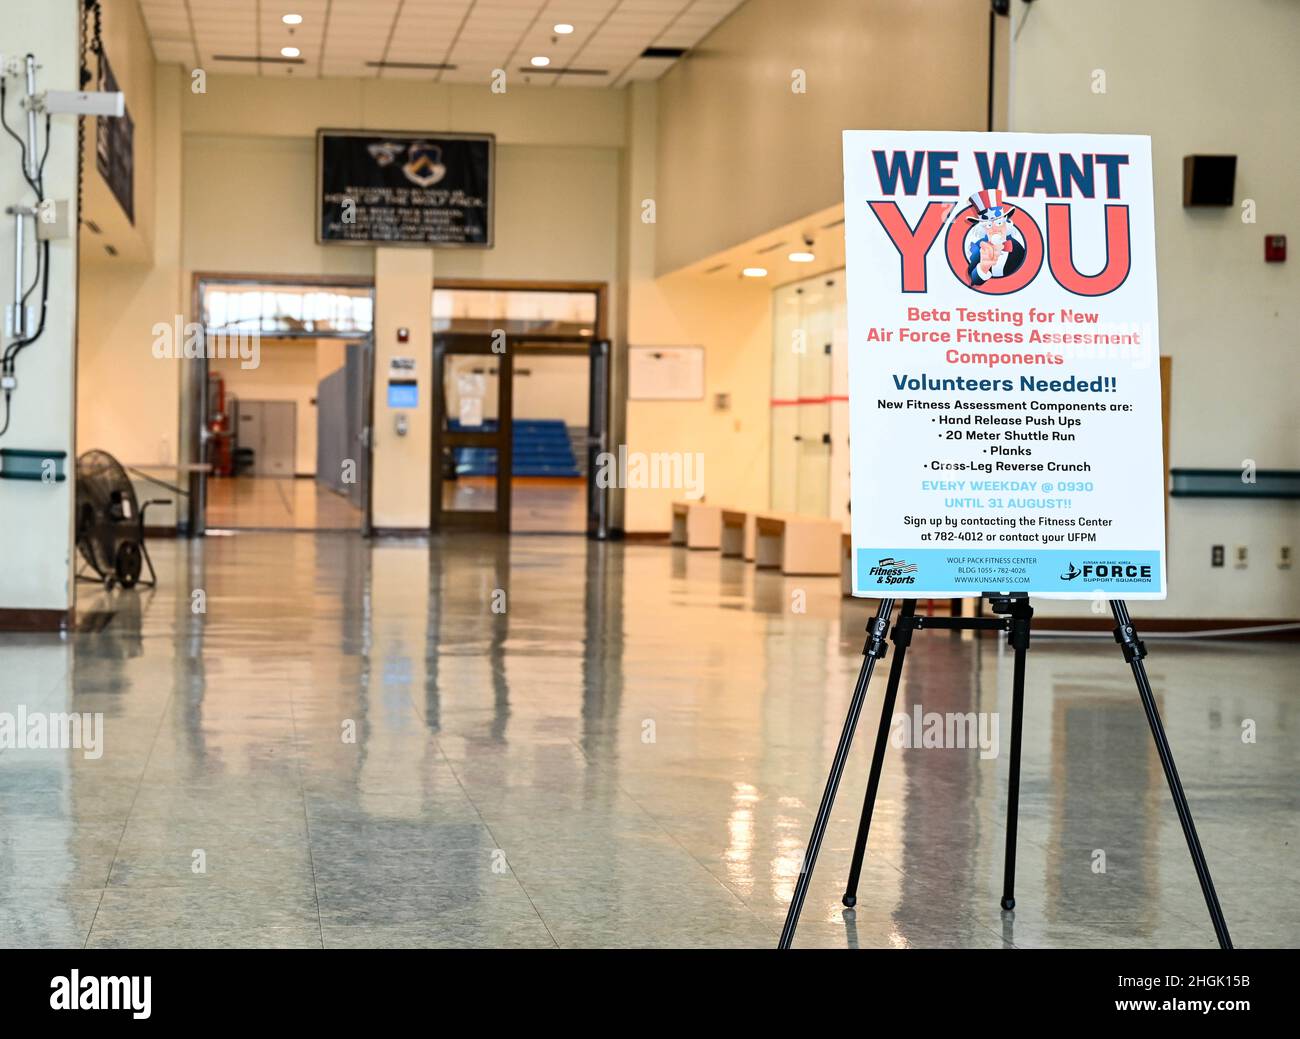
(349, 747)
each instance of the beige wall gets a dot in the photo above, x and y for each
(740, 153)
(250, 171)
(128, 400)
(554, 388)
(246, 211)
(729, 153)
(1230, 321)
(331, 355)
(732, 321)
(287, 371)
(247, 208)
(247, 106)
(730, 318)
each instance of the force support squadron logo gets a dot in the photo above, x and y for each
(424, 164)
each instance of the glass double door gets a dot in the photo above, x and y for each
(483, 447)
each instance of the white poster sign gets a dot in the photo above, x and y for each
(1004, 377)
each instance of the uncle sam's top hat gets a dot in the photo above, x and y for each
(990, 205)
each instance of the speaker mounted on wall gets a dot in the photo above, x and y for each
(1208, 180)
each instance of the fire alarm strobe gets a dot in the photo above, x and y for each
(1274, 248)
(403, 334)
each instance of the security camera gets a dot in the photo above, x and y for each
(110, 103)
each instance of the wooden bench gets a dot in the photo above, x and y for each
(734, 528)
(696, 525)
(805, 545)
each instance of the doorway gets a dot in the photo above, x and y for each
(519, 424)
(277, 412)
(557, 361)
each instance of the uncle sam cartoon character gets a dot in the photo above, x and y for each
(994, 247)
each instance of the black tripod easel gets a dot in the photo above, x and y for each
(1014, 615)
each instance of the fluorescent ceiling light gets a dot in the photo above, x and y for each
(563, 28)
(802, 257)
(755, 272)
(292, 19)
(289, 52)
(540, 61)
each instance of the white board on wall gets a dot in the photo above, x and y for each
(665, 373)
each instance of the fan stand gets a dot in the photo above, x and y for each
(144, 549)
(110, 580)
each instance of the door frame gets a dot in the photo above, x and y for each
(193, 435)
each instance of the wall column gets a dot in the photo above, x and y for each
(402, 475)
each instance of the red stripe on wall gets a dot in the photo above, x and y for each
(778, 402)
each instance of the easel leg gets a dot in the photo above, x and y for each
(873, 651)
(902, 638)
(1018, 636)
(1134, 652)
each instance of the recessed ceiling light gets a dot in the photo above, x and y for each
(540, 61)
(755, 272)
(289, 52)
(563, 28)
(292, 19)
(801, 257)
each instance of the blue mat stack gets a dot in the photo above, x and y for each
(541, 448)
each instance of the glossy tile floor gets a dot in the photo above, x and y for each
(538, 504)
(271, 502)
(342, 744)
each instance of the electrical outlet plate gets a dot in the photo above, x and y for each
(1239, 557)
(1216, 555)
(1284, 557)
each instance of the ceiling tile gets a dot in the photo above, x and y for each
(337, 37)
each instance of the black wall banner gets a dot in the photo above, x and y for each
(115, 147)
(404, 188)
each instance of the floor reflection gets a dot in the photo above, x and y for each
(474, 741)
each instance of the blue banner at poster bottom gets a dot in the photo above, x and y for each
(945, 572)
